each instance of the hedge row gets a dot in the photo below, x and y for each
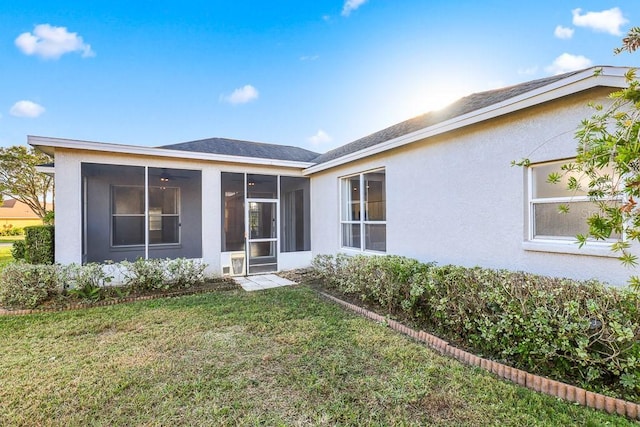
(580, 332)
(28, 286)
(37, 246)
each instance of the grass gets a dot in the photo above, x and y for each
(278, 357)
(10, 239)
(5, 255)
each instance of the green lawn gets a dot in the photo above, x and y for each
(10, 239)
(5, 255)
(278, 357)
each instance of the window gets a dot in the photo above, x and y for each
(545, 219)
(128, 215)
(363, 211)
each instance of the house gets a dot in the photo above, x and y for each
(437, 187)
(15, 214)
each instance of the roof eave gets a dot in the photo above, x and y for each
(47, 170)
(48, 145)
(608, 77)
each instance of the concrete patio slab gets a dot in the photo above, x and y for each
(261, 282)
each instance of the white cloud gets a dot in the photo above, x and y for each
(309, 57)
(26, 109)
(242, 95)
(50, 42)
(607, 21)
(563, 32)
(321, 137)
(567, 62)
(351, 5)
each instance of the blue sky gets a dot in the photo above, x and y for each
(312, 74)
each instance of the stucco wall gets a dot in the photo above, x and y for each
(456, 199)
(69, 208)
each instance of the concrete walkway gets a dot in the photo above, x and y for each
(261, 282)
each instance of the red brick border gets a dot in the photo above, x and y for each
(534, 382)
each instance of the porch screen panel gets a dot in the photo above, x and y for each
(128, 215)
(295, 207)
(175, 213)
(262, 186)
(112, 212)
(164, 215)
(232, 193)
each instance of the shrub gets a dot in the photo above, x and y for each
(10, 230)
(28, 286)
(145, 275)
(39, 241)
(87, 281)
(581, 332)
(184, 273)
(49, 218)
(18, 250)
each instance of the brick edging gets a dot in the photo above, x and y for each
(104, 303)
(534, 382)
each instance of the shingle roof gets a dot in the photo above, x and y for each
(15, 209)
(462, 106)
(234, 147)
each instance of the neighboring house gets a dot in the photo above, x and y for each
(15, 214)
(438, 187)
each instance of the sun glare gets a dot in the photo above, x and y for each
(438, 94)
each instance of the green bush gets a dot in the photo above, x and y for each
(25, 285)
(86, 282)
(145, 275)
(10, 230)
(39, 241)
(28, 286)
(582, 332)
(18, 249)
(184, 273)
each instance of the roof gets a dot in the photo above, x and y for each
(466, 111)
(475, 108)
(15, 209)
(234, 147)
(214, 149)
(462, 106)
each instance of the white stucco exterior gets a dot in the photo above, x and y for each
(456, 199)
(452, 195)
(68, 221)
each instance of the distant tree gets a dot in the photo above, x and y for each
(20, 180)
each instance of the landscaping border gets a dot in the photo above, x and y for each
(534, 382)
(80, 305)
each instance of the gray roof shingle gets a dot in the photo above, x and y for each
(234, 147)
(460, 107)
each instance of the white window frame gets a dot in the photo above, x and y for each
(559, 244)
(362, 222)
